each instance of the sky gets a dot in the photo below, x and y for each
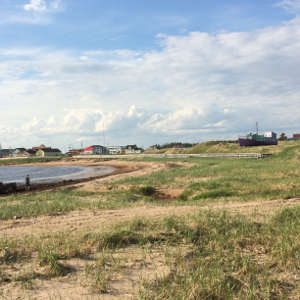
(123, 72)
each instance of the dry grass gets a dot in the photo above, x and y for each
(208, 255)
(252, 251)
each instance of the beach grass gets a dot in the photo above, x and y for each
(28, 160)
(202, 181)
(228, 256)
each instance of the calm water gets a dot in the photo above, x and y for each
(49, 174)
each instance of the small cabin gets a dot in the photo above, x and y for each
(48, 152)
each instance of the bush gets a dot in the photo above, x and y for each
(147, 190)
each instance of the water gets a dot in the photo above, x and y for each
(50, 174)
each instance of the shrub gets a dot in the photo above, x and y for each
(147, 190)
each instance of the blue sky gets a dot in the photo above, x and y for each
(133, 24)
(146, 72)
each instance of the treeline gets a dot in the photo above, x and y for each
(173, 145)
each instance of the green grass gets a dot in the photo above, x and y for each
(231, 179)
(225, 147)
(28, 160)
(64, 201)
(225, 263)
(44, 203)
(207, 181)
(229, 257)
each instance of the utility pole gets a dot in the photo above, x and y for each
(103, 133)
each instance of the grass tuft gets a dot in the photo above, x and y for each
(147, 190)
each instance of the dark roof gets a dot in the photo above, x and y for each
(50, 150)
(31, 151)
(97, 146)
(6, 150)
(131, 147)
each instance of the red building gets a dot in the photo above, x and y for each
(296, 136)
(95, 149)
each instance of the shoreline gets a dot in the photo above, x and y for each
(91, 172)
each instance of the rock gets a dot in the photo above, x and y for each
(4, 255)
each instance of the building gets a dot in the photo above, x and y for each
(6, 153)
(95, 149)
(296, 136)
(40, 147)
(20, 152)
(266, 139)
(132, 149)
(31, 152)
(113, 150)
(48, 152)
(73, 152)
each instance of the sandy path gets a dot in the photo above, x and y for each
(85, 220)
(97, 220)
(124, 285)
(124, 170)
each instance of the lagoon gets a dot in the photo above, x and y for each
(50, 174)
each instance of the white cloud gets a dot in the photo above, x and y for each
(42, 5)
(34, 12)
(36, 5)
(292, 6)
(198, 86)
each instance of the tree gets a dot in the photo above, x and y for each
(282, 137)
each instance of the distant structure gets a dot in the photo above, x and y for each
(48, 152)
(39, 147)
(95, 149)
(114, 150)
(73, 152)
(40, 151)
(256, 139)
(4, 153)
(132, 149)
(296, 136)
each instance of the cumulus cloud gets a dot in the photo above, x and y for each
(292, 6)
(36, 5)
(198, 86)
(42, 5)
(34, 12)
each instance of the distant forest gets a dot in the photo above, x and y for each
(174, 145)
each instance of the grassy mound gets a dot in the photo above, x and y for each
(226, 147)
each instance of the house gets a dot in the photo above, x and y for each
(6, 153)
(296, 136)
(42, 146)
(48, 152)
(131, 149)
(115, 149)
(73, 152)
(95, 149)
(31, 152)
(20, 152)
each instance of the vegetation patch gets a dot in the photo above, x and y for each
(147, 190)
(29, 160)
(214, 194)
(224, 264)
(229, 257)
